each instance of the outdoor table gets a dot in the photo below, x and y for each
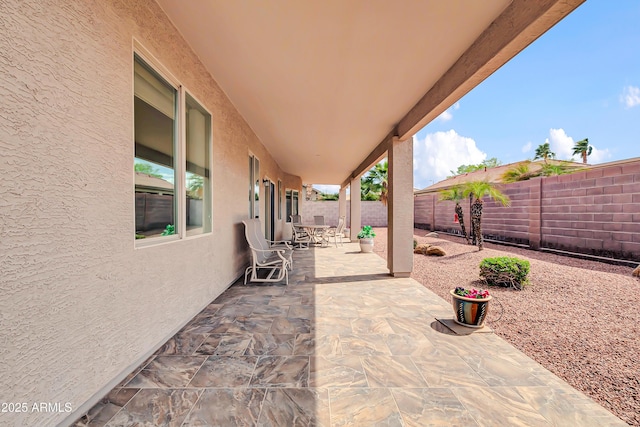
(315, 231)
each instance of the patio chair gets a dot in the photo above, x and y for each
(296, 219)
(301, 239)
(335, 233)
(274, 257)
(318, 219)
(254, 228)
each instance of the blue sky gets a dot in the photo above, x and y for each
(581, 79)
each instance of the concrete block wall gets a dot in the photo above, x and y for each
(511, 223)
(594, 212)
(372, 213)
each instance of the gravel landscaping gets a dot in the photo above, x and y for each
(578, 318)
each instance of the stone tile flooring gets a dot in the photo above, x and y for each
(343, 344)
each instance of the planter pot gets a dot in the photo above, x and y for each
(366, 245)
(470, 312)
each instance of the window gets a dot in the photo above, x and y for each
(292, 203)
(172, 172)
(288, 203)
(197, 168)
(279, 199)
(156, 130)
(254, 187)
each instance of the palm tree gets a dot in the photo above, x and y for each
(520, 172)
(544, 152)
(376, 182)
(583, 148)
(552, 170)
(478, 190)
(455, 194)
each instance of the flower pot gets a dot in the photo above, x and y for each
(470, 312)
(366, 245)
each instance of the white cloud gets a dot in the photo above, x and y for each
(527, 147)
(599, 156)
(441, 152)
(630, 96)
(447, 115)
(562, 144)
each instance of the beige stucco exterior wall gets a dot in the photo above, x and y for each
(79, 304)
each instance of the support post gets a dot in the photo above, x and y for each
(355, 209)
(400, 208)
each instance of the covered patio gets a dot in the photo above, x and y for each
(343, 344)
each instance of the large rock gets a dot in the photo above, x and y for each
(435, 250)
(636, 272)
(421, 248)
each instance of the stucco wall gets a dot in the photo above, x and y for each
(79, 304)
(594, 212)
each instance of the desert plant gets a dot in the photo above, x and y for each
(479, 189)
(366, 233)
(471, 293)
(505, 271)
(169, 230)
(551, 170)
(374, 186)
(520, 172)
(415, 243)
(455, 194)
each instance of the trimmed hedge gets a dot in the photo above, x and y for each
(505, 271)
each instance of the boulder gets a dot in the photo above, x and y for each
(636, 272)
(421, 248)
(435, 250)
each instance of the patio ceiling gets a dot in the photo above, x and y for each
(326, 84)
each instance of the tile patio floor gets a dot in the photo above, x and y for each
(343, 344)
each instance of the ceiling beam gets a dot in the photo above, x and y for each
(374, 157)
(522, 22)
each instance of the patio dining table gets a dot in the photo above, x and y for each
(315, 231)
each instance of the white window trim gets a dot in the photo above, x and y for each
(181, 131)
(184, 156)
(260, 196)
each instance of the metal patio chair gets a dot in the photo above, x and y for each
(273, 257)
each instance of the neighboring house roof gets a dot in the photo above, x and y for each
(148, 182)
(495, 174)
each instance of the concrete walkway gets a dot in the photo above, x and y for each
(343, 344)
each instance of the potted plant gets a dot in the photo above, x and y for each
(366, 236)
(470, 306)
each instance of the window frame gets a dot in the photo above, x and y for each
(288, 204)
(180, 148)
(279, 200)
(209, 194)
(254, 204)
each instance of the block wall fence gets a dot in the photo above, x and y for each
(593, 212)
(372, 213)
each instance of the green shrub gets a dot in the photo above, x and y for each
(169, 230)
(140, 236)
(415, 243)
(366, 233)
(505, 271)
